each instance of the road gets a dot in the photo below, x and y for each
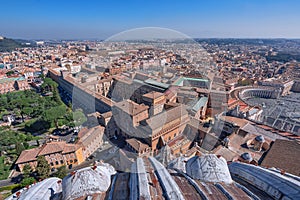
(31, 143)
(6, 182)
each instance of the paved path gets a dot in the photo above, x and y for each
(6, 182)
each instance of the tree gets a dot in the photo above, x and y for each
(26, 145)
(17, 112)
(19, 148)
(54, 113)
(9, 137)
(79, 117)
(21, 104)
(42, 76)
(26, 171)
(27, 111)
(27, 181)
(49, 85)
(9, 73)
(61, 172)
(70, 105)
(43, 167)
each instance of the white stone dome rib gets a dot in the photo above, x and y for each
(208, 168)
(45, 189)
(87, 181)
(170, 187)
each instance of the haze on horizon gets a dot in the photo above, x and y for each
(37, 19)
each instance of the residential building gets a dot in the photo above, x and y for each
(59, 153)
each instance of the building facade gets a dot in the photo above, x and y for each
(59, 153)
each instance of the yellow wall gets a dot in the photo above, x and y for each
(79, 156)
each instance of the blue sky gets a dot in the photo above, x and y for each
(100, 19)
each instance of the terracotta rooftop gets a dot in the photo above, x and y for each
(28, 155)
(171, 92)
(52, 147)
(202, 91)
(153, 95)
(69, 148)
(198, 125)
(130, 107)
(284, 154)
(137, 145)
(158, 121)
(238, 121)
(47, 148)
(236, 147)
(253, 128)
(89, 135)
(82, 132)
(280, 133)
(106, 114)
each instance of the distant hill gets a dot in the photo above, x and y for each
(7, 44)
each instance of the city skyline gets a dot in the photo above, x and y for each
(149, 100)
(198, 19)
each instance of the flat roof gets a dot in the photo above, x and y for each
(180, 80)
(200, 103)
(156, 83)
(3, 80)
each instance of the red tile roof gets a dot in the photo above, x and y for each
(131, 108)
(284, 154)
(52, 147)
(137, 145)
(47, 148)
(28, 155)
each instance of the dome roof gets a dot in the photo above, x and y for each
(260, 138)
(272, 182)
(87, 181)
(207, 177)
(46, 189)
(226, 139)
(208, 168)
(178, 163)
(247, 156)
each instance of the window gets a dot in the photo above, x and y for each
(56, 162)
(61, 162)
(75, 160)
(71, 161)
(51, 164)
